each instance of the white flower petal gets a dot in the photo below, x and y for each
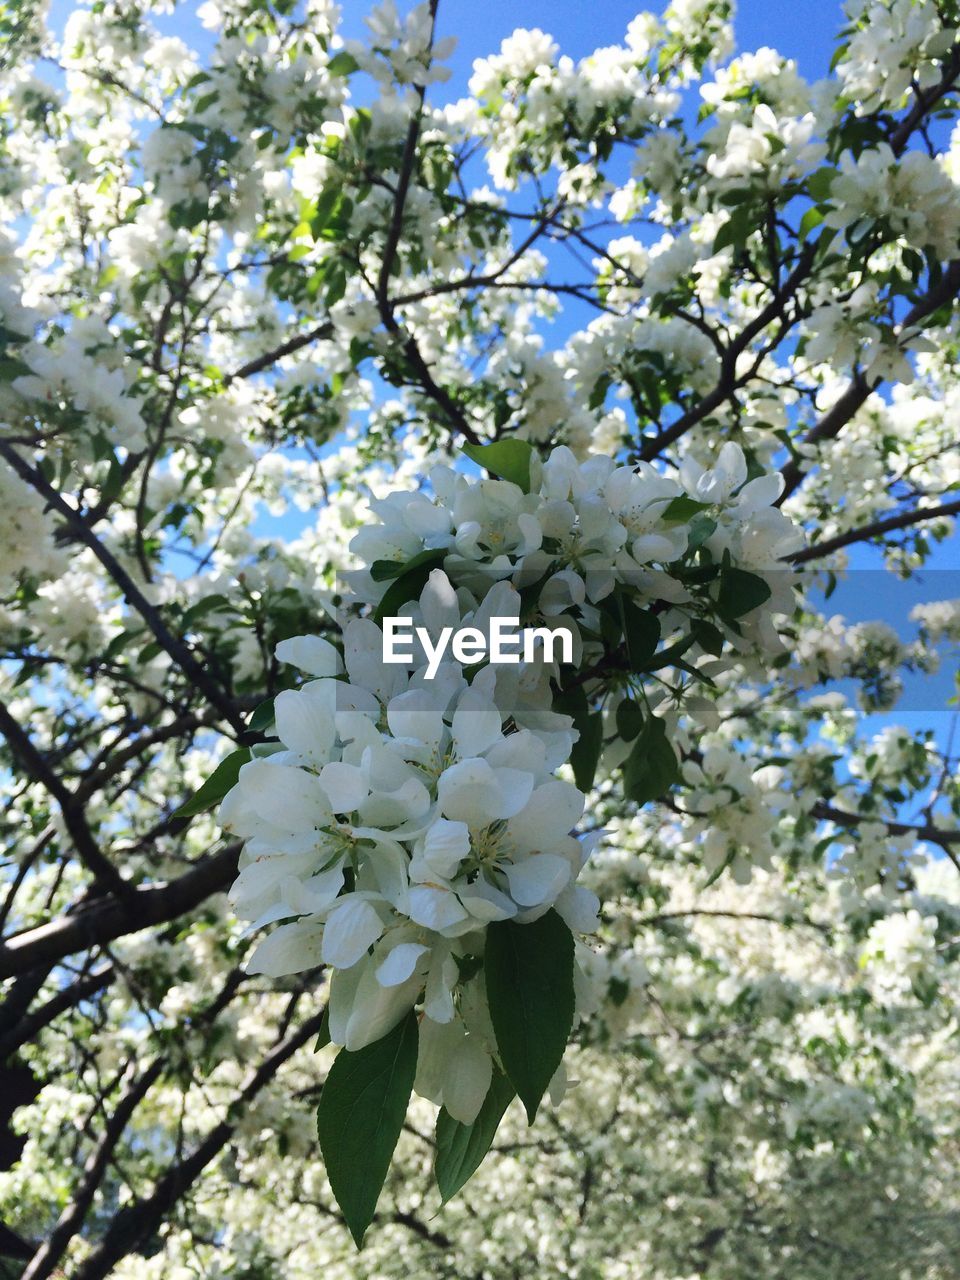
(345, 785)
(435, 908)
(438, 994)
(351, 928)
(290, 949)
(312, 654)
(437, 1041)
(537, 879)
(377, 1009)
(415, 714)
(579, 909)
(476, 724)
(445, 846)
(473, 792)
(313, 896)
(485, 902)
(438, 603)
(400, 963)
(552, 811)
(289, 799)
(516, 787)
(466, 1080)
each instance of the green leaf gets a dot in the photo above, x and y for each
(209, 604)
(667, 657)
(709, 637)
(508, 459)
(819, 184)
(11, 367)
(651, 767)
(701, 528)
(336, 280)
(361, 1112)
(683, 508)
(216, 786)
(810, 220)
(384, 570)
(263, 717)
(585, 755)
(839, 54)
(737, 195)
(629, 719)
(323, 209)
(411, 581)
(641, 630)
(529, 977)
(736, 230)
(462, 1147)
(342, 64)
(718, 871)
(120, 642)
(740, 592)
(323, 1036)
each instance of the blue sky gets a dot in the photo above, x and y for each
(800, 29)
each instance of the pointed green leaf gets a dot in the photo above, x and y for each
(641, 630)
(819, 184)
(701, 528)
(342, 64)
(361, 1112)
(263, 718)
(629, 719)
(384, 570)
(651, 767)
(810, 220)
(709, 637)
(323, 1036)
(407, 586)
(683, 508)
(529, 976)
(740, 593)
(216, 786)
(585, 755)
(462, 1147)
(508, 459)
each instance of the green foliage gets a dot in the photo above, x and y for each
(508, 459)
(216, 786)
(361, 1113)
(651, 767)
(528, 970)
(462, 1147)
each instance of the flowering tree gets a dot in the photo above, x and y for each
(633, 351)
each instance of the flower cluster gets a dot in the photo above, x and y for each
(399, 821)
(405, 808)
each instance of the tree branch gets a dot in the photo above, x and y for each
(859, 388)
(137, 1222)
(105, 874)
(325, 330)
(103, 919)
(176, 649)
(44, 1261)
(875, 530)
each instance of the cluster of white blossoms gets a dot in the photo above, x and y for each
(893, 45)
(30, 546)
(399, 821)
(585, 528)
(406, 807)
(913, 197)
